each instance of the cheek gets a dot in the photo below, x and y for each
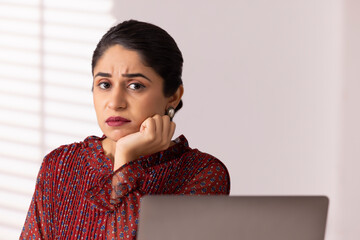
(97, 105)
(155, 105)
(148, 107)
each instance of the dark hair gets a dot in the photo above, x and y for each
(155, 46)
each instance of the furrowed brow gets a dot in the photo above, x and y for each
(102, 74)
(133, 75)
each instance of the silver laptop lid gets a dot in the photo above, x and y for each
(173, 217)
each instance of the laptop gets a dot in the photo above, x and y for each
(175, 217)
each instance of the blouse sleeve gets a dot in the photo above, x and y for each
(124, 181)
(39, 222)
(211, 179)
(201, 176)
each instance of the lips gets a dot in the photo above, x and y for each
(116, 121)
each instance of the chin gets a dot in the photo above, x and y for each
(115, 135)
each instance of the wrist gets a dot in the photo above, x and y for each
(121, 158)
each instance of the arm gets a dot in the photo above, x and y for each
(124, 181)
(194, 173)
(39, 222)
(154, 135)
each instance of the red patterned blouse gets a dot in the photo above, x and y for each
(79, 196)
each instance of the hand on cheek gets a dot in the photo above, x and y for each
(154, 135)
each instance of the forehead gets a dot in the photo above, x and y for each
(120, 57)
(118, 60)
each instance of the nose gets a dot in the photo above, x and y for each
(117, 99)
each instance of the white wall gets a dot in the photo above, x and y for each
(262, 89)
(349, 164)
(270, 89)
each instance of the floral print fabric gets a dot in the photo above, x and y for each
(79, 196)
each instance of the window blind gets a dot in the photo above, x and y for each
(45, 94)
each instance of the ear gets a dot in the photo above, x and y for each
(176, 97)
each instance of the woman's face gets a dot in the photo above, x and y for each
(126, 92)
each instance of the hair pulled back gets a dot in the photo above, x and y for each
(154, 45)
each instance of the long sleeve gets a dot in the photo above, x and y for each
(120, 194)
(126, 180)
(79, 196)
(39, 221)
(193, 172)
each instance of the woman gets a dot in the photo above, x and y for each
(92, 189)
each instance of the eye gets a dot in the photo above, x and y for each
(136, 86)
(104, 85)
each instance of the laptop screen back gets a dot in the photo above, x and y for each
(173, 217)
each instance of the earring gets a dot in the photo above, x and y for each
(170, 112)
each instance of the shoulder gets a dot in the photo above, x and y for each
(205, 161)
(207, 170)
(68, 151)
(63, 151)
(196, 159)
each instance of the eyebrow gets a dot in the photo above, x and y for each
(132, 75)
(101, 74)
(128, 75)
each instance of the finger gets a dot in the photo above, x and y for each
(158, 125)
(149, 126)
(172, 130)
(166, 128)
(143, 126)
